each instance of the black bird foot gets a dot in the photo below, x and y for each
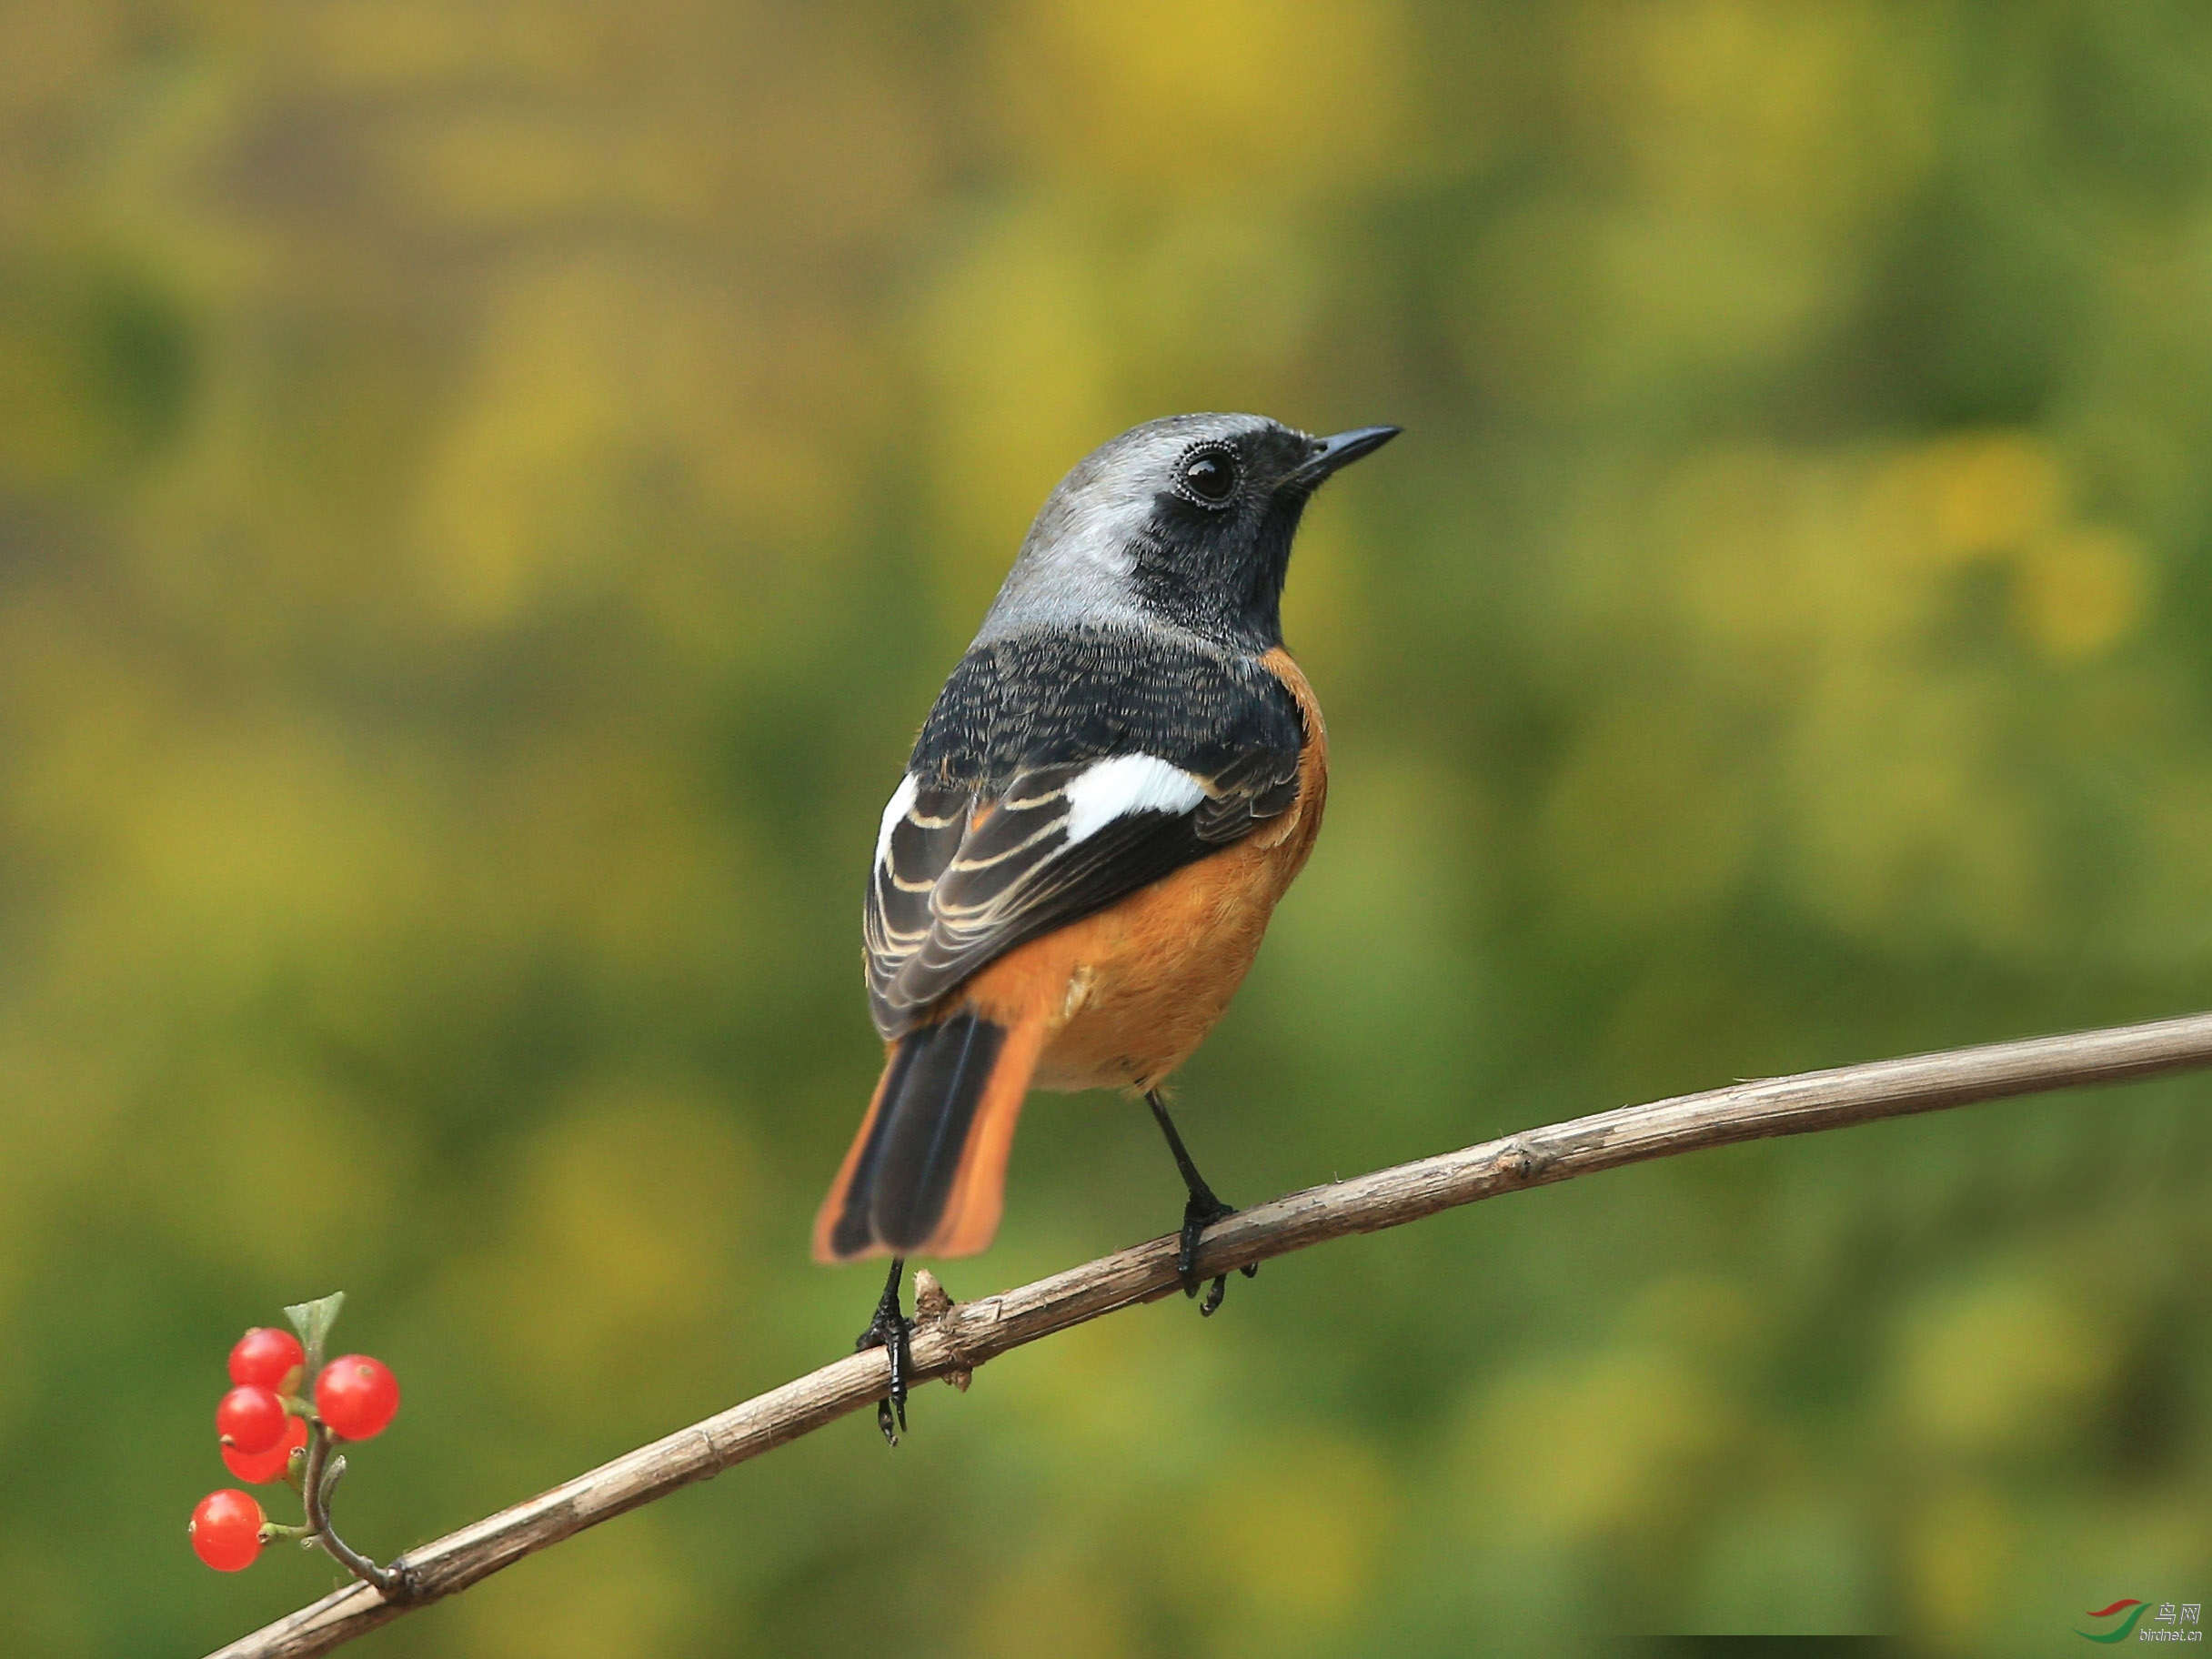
(1199, 1213)
(1202, 1211)
(891, 1329)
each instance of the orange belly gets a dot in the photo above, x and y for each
(1128, 994)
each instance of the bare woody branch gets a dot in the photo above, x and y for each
(950, 1339)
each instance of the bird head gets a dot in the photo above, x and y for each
(1187, 521)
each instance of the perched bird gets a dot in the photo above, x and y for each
(1117, 783)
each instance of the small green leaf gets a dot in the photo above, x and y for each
(313, 1321)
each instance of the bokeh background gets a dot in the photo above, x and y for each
(488, 491)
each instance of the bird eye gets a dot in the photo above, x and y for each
(1208, 476)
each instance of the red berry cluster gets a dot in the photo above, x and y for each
(265, 1424)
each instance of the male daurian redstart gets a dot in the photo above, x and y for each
(1116, 785)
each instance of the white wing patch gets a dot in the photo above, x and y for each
(901, 799)
(1126, 784)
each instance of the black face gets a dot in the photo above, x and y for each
(1214, 553)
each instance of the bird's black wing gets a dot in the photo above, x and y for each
(971, 865)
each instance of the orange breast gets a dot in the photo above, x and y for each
(1128, 994)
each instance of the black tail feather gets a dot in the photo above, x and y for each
(905, 1171)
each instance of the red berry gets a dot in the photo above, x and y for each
(267, 1358)
(258, 1467)
(250, 1419)
(226, 1530)
(357, 1396)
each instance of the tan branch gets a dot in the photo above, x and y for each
(953, 1338)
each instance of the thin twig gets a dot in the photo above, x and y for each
(317, 1481)
(951, 1341)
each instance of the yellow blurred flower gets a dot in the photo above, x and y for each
(1205, 99)
(2080, 591)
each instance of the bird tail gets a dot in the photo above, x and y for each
(927, 1173)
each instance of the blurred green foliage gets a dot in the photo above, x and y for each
(488, 491)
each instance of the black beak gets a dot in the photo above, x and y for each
(1341, 450)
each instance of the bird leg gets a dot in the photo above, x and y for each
(891, 1329)
(1200, 1212)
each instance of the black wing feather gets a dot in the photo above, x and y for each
(981, 861)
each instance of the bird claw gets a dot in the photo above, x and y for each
(1199, 1213)
(892, 1330)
